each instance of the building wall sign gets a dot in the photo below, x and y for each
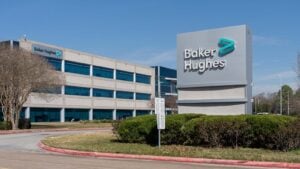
(214, 71)
(202, 60)
(216, 56)
(47, 51)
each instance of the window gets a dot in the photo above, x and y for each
(123, 114)
(124, 95)
(102, 114)
(45, 115)
(143, 78)
(142, 112)
(78, 68)
(103, 93)
(56, 63)
(103, 72)
(142, 96)
(79, 91)
(76, 114)
(123, 75)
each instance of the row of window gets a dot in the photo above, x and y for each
(83, 91)
(53, 114)
(84, 69)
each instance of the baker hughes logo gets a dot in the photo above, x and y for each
(202, 60)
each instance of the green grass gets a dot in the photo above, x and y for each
(106, 142)
(69, 125)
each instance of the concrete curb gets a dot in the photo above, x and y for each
(6, 132)
(173, 159)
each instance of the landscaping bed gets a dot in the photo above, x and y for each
(107, 142)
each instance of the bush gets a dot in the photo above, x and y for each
(24, 124)
(173, 132)
(5, 125)
(256, 131)
(137, 129)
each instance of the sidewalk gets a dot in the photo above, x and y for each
(173, 159)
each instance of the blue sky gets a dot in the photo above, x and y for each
(145, 31)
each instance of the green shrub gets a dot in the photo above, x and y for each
(257, 131)
(137, 129)
(173, 132)
(247, 131)
(24, 124)
(5, 125)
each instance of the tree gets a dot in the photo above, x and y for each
(171, 103)
(287, 95)
(21, 73)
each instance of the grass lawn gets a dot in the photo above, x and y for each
(107, 143)
(68, 125)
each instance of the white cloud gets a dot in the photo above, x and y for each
(151, 58)
(270, 88)
(268, 41)
(289, 74)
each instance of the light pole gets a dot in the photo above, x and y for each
(280, 94)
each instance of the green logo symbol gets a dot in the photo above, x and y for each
(58, 53)
(226, 46)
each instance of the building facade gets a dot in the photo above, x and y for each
(165, 81)
(95, 87)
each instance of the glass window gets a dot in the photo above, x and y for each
(103, 72)
(99, 114)
(78, 68)
(124, 95)
(143, 78)
(44, 115)
(142, 112)
(103, 93)
(142, 96)
(123, 114)
(79, 91)
(76, 114)
(56, 63)
(123, 75)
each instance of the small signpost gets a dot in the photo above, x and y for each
(160, 115)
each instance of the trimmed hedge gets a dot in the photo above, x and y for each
(23, 124)
(255, 131)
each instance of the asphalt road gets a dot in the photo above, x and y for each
(21, 151)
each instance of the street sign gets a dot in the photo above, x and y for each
(159, 105)
(160, 115)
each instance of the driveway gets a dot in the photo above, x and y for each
(21, 151)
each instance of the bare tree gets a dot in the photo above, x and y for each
(171, 103)
(21, 73)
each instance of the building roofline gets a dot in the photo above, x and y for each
(85, 53)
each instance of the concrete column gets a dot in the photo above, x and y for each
(63, 66)
(62, 115)
(91, 114)
(134, 96)
(91, 92)
(114, 114)
(27, 113)
(134, 77)
(62, 90)
(115, 74)
(134, 113)
(91, 70)
(115, 94)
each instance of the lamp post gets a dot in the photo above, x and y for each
(280, 94)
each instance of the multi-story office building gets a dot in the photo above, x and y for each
(95, 87)
(165, 81)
